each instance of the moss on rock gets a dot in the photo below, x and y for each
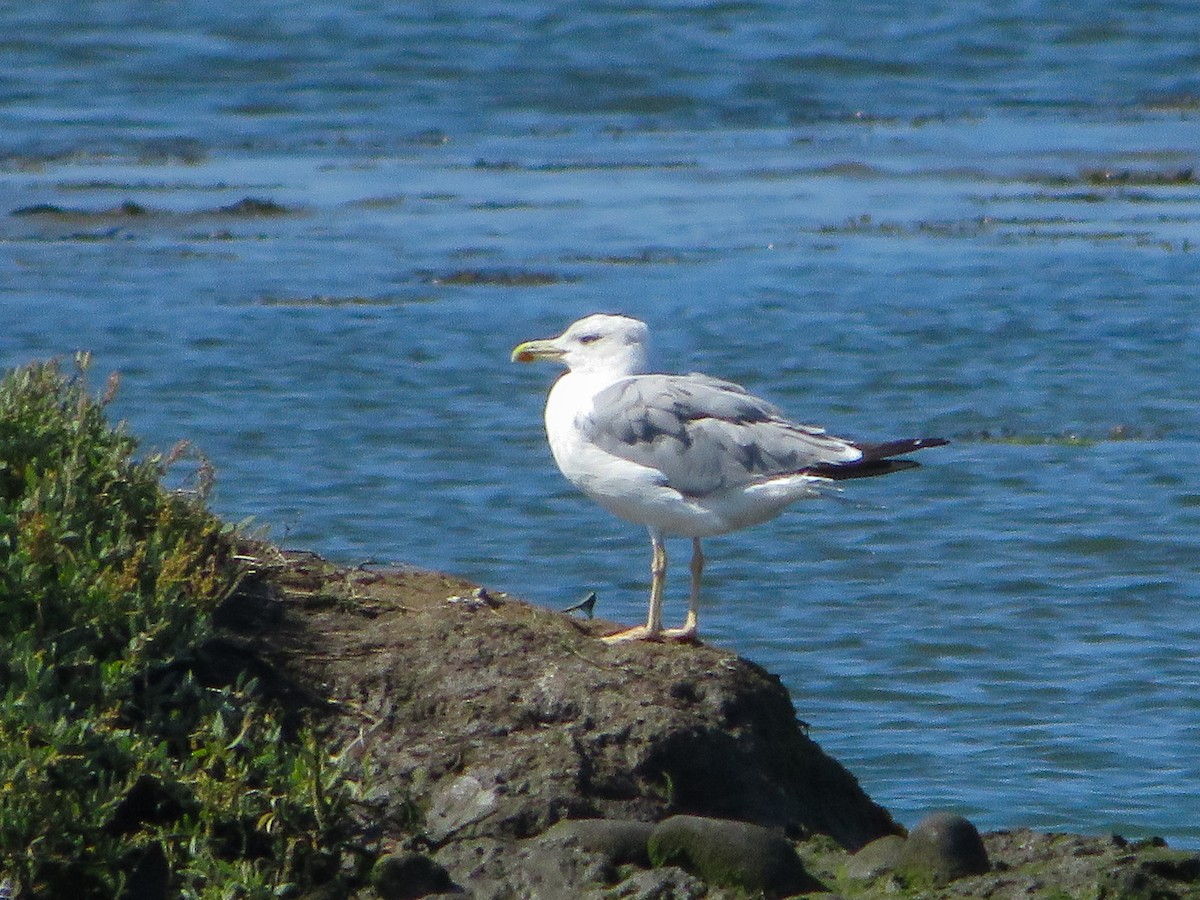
(731, 854)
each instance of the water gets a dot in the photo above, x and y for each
(953, 220)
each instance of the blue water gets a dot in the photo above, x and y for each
(921, 218)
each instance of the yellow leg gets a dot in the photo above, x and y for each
(690, 625)
(658, 581)
(653, 629)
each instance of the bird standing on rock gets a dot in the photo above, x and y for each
(684, 455)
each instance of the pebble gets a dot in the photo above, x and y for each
(462, 802)
(876, 859)
(726, 853)
(408, 876)
(943, 847)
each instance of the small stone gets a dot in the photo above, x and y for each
(877, 858)
(942, 848)
(408, 876)
(731, 854)
(621, 841)
(462, 802)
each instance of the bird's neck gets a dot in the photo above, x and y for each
(575, 389)
(570, 399)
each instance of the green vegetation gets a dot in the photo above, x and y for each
(128, 767)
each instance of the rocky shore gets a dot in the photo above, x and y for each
(504, 752)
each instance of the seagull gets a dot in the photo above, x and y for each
(684, 455)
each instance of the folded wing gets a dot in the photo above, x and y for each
(706, 435)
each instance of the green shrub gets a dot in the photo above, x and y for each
(121, 767)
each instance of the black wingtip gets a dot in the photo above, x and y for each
(877, 459)
(864, 468)
(888, 449)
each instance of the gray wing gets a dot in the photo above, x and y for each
(705, 434)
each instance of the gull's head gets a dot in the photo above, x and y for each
(613, 345)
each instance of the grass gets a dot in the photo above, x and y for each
(125, 769)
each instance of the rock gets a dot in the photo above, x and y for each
(491, 869)
(621, 841)
(876, 859)
(459, 803)
(942, 848)
(499, 719)
(1157, 873)
(492, 721)
(731, 854)
(666, 883)
(408, 876)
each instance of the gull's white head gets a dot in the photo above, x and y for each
(597, 344)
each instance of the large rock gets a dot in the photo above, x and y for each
(497, 718)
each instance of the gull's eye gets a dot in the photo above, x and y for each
(588, 338)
